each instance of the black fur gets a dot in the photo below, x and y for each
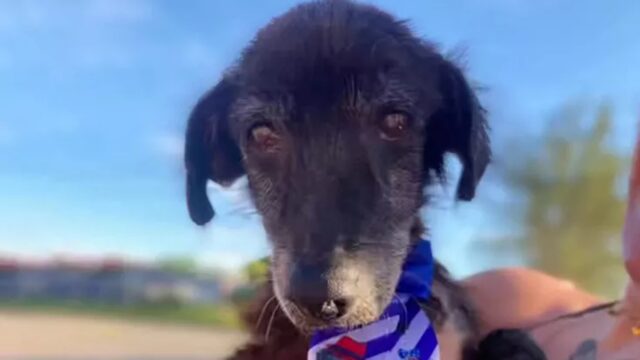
(339, 199)
(510, 344)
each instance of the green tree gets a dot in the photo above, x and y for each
(179, 264)
(257, 270)
(573, 209)
(256, 273)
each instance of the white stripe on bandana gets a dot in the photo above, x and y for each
(405, 333)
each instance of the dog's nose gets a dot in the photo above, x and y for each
(334, 309)
(325, 310)
(309, 289)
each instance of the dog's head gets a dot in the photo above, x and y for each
(340, 117)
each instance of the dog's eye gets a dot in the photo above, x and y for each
(394, 125)
(264, 138)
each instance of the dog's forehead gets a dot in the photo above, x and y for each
(324, 58)
(276, 85)
(321, 43)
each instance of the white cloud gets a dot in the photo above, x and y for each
(170, 145)
(230, 247)
(236, 193)
(233, 202)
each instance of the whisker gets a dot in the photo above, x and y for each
(264, 310)
(273, 314)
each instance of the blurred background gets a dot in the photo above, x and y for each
(97, 254)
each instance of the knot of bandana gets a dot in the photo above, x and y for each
(403, 332)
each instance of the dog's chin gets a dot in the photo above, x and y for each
(362, 313)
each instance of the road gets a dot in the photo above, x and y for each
(28, 335)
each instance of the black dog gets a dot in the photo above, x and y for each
(340, 117)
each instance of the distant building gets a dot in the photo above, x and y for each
(104, 281)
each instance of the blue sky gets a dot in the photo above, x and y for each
(94, 97)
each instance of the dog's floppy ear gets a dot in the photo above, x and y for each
(210, 151)
(462, 128)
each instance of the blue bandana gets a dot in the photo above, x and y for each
(403, 331)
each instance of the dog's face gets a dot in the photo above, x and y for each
(339, 117)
